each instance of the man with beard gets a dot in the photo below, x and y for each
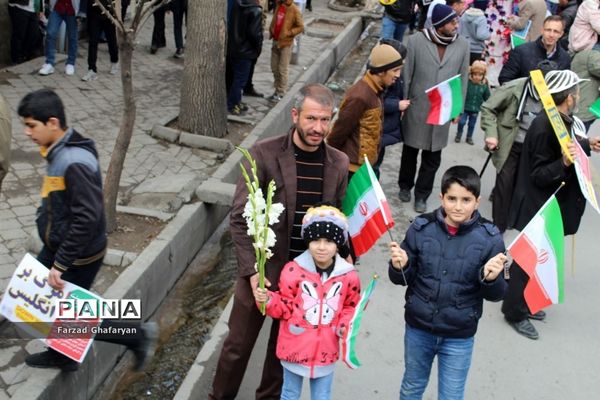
(306, 172)
(434, 55)
(542, 169)
(358, 129)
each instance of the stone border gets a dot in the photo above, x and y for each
(154, 272)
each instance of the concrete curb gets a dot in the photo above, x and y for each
(191, 140)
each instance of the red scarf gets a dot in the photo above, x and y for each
(279, 21)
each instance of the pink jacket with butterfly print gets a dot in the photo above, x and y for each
(312, 312)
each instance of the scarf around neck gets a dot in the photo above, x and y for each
(432, 35)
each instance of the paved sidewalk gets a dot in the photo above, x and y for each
(94, 109)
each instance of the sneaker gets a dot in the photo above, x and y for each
(538, 316)
(51, 359)
(114, 68)
(470, 141)
(525, 328)
(253, 93)
(274, 97)
(69, 69)
(457, 139)
(153, 49)
(237, 110)
(404, 195)
(243, 107)
(89, 76)
(420, 205)
(178, 53)
(46, 69)
(145, 348)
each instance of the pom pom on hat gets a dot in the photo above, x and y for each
(325, 222)
(383, 57)
(441, 15)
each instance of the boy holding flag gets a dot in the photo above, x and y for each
(450, 260)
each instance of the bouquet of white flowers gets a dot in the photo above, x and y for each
(260, 213)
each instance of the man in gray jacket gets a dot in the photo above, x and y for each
(434, 55)
(5, 135)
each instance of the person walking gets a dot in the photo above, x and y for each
(477, 92)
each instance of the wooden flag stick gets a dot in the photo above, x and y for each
(401, 268)
(573, 256)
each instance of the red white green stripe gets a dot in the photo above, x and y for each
(446, 101)
(350, 336)
(539, 251)
(367, 209)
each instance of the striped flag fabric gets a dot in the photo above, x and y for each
(539, 251)
(350, 335)
(446, 101)
(367, 209)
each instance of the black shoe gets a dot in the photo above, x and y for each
(420, 205)
(144, 350)
(153, 49)
(237, 111)
(243, 107)
(457, 139)
(404, 195)
(538, 316)
(470, 141)
(178, 53)
(525, 328)
(51, 359)
(253, 93)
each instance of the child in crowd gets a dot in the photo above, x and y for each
(318, 292)
(450, 260)
(477, 92)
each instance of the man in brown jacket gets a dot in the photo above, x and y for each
(286, 24)
(357, 131)
(5, 136)
(306, 171)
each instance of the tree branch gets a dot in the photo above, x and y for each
(153, 5)
(116, 18)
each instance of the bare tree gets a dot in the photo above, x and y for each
(203, 106)
(141, 10)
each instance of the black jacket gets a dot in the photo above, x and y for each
(392, 126)
(245, 34)
(444, 274)
(540, 173)
(400, 11)
(71, 220)
(526, 57)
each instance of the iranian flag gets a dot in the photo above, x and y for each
(349, 338)
(367, 209)
(539, 251)
(446, 101)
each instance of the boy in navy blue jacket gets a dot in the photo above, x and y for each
(450, 260)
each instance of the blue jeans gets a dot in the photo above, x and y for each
(472, 118)
(391, 29)
(320, 388)
(54, 22)
(241, 72)
(454, 360)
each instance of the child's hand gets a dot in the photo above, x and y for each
(493, 267)
(403, 104)
(398, 256)
(261, 295)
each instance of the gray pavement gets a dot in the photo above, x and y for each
(94, 109)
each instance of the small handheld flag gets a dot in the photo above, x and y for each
(446, 101)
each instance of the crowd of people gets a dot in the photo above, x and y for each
(312, 285)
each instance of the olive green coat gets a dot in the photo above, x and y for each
(499, 118)
(586, 64)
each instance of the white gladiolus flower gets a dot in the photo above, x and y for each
(275, 212)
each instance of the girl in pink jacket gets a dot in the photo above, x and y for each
(318, 292)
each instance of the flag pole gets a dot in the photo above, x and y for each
(573, 256)
(401, 268)
(541, 208)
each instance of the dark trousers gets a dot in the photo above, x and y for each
(179, 9)
(83, 275)
(249, 86)
(514, 307)
(241, 70)
(430, 162)
(245, 323)
(25, 37)
(505, 186)
(98, 23)
(469, 118)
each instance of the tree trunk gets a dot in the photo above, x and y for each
(203, 107)
(115, 168)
